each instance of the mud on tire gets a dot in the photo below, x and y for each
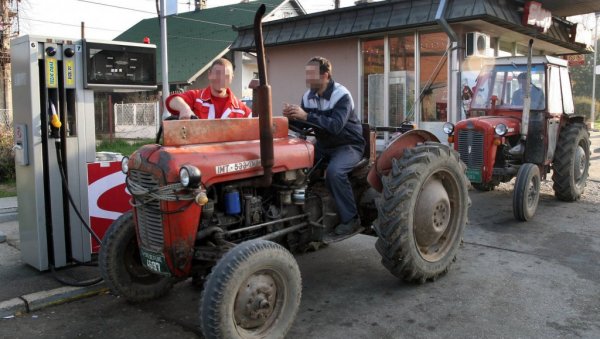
(571, 162)
(253, 291)
(121, 267)
(417, 246)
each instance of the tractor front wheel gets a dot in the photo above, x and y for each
(121, 265)
(253, 292)
(422, 212)
(571, 162)
(526, 194)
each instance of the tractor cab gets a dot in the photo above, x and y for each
(522, 120)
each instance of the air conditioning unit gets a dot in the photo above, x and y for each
(477, 44)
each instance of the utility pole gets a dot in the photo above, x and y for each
(6, 15)
(593, 115)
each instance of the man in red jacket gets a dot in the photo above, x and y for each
(213, 102)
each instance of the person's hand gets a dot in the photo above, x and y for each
(186, 114)
(294, 112)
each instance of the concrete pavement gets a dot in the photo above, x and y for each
(24, 289)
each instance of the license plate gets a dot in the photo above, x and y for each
(154, 262)
(474, 175)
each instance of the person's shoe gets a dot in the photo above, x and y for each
(348, 227)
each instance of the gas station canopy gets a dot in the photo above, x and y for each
(570, 8)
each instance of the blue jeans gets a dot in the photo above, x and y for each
(342, 160)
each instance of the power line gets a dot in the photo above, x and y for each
(203, 21)
(73, 25)
(195, 38)
(115, 6)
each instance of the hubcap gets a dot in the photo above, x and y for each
(532, 192)
(432, 215)
(255, 301)
(579, 163)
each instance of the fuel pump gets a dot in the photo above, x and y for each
(53, 102)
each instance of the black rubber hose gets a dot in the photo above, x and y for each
(65, 186)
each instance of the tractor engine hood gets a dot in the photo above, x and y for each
(489, 123)
(223, 150)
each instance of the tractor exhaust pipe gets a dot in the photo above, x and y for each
(263, 103)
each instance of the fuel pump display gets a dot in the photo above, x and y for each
(118, 65)
(53, 103)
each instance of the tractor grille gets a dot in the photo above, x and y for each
(470, 148)
(149, 218)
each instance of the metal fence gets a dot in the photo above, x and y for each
(136, 120)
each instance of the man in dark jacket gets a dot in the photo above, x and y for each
(329, 105)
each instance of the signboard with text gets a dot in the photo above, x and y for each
(536, 16)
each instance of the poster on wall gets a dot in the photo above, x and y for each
(108, 197)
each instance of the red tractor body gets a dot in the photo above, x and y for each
(508, 128)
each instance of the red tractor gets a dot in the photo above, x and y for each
(226, 201)
(522, 123)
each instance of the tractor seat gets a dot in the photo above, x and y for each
(366, 132)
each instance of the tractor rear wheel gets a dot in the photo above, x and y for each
(121, 265)
(422, 212)
(571, 162)
(526, 194)
(253, 292)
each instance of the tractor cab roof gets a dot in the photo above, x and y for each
(522, 60)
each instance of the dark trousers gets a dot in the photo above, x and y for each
(342, 160)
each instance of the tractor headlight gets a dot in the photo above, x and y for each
(448, 128)
(189, 176)
(501, 129)
(125, 165)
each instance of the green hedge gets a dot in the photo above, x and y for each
(7, 156)
(583, 106)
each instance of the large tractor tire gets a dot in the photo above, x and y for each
(254, 291)
(121, 266)
(571, 162)
(422, 212)
(526, 194)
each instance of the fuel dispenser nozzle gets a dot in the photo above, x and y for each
(54, 120)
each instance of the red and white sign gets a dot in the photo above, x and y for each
(534, 15)
(108, 197)
(575, 60)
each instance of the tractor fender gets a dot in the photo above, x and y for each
(395, 150)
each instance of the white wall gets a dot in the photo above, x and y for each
(285, 67)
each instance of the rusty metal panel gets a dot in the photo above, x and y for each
(187, 132)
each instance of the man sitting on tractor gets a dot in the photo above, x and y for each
(536, 94)
(213, 102)
(329, 105)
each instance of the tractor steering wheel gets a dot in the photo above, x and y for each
(308, 128)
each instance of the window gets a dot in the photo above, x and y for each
(505, 84)
(434, 76)
(401, 90)
(373, 58)
(554, 91)
(565, 82)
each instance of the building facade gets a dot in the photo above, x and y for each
(410, 59)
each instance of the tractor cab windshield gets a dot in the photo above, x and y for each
(506, 85)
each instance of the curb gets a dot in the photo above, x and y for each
(40, 300)
(4, 217)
